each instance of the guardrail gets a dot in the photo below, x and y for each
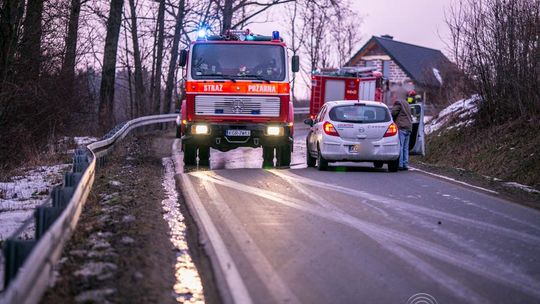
(30, 263)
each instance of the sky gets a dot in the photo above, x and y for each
(418, 22)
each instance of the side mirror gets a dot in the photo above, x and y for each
(308, 121)
(183, 58)
(295, 63)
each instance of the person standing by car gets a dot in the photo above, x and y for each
(401, 112)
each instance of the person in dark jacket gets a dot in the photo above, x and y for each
(401, 112)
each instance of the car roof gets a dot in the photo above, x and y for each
(352, 102)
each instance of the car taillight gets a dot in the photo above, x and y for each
(392, 130)
(329, 129)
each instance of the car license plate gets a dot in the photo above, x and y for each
(354, 148)
(238, 133)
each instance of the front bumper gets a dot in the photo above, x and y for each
(218, 140)
(385, 149)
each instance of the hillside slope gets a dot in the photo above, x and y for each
(506, 153)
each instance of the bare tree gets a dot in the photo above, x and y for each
(106, 101)
(497, 43)
(174, 55)
(31, 41)
(11, 13)
(156, 89)
(139, 85)
(245, 9)
(68, 65)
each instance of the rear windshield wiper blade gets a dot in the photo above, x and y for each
(219, 75)
(259, 77)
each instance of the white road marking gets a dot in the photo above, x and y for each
(234, 281)
(454, 180)
(517, 280)
(265, 271)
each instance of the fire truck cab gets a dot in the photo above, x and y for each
(237, 95)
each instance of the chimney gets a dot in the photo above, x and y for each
(388, 37)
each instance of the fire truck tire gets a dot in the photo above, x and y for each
(378, 164)
(284, 156)
(190, 155)
(268, 157)
(204, 156)
(322, 163)
(393, 165)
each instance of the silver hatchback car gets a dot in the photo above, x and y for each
(359, 131)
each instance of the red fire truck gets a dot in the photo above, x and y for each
(237, 95)
(347, 83)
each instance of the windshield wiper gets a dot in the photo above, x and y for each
(228, 77)
(258, 77)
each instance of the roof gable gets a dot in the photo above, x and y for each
(416, 61)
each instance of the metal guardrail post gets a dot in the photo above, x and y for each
(45, 217)
(15, 253)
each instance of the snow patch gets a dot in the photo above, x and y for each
(522, 187)
(462, 109)
(437, 75)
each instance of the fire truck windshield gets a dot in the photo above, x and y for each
(238, 61)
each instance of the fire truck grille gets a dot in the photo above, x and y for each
(237, 106)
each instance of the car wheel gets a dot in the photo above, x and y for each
(204, 156)
(323, 163)
(378, 164)
(190, 155)
(310, 160)
(393, 165)
(268, 157)
(284, 156)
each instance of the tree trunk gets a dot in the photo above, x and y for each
(11, 13)
(158, 106)
(139, 85)
(227, 15)
(31, 42)
(106, 98)
(68, 65)
(174, 56)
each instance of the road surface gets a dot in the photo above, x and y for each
(357, 234)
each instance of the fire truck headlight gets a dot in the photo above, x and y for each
(274, 131)
(200, 129)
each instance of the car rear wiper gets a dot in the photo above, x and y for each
(259, 77)
(228, 77)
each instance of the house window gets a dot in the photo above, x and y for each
(386, 69)
(370, 63)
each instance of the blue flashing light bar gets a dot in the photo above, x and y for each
(201, 33)
(275, 35)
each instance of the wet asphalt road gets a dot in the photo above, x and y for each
(361, 235)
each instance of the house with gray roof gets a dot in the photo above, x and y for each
(405, 66)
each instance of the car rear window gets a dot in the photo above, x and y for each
(359, 114)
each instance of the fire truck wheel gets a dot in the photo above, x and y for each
(204, 156)
(323, 163)
(190, 155)
(378, 164)
(284, 156)
(268, 157)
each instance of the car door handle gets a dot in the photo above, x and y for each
(361, 136)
